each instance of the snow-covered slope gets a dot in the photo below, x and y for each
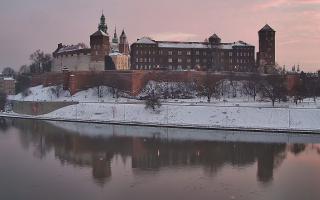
(195, 115)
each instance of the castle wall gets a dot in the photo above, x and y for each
(134, 81)
(75, 62)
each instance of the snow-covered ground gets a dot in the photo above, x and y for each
(40, 93)
(229, 112)
(195, 115)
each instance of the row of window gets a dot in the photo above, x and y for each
(67, 55)
(180, 67)
(188, 53)
(180, 60)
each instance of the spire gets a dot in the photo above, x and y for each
(102, 26)
(123, 34)
(115, 36)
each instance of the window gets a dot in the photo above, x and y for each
(197, 60)
(179, 53)
(179, 67)
(160, 52)
(149, 59)
(137, 52)
(179, 60)
(230, 54)
(204, 53)
(204, 60)
(188, 60)
(137, 59)
(188, 53)
(141, 60)
(170, 53)
(197, 53)
(170, 60)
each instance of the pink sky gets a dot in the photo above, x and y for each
(42, 24)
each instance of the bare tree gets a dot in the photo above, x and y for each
(251, 86)
(152, 101)
(40, 62)
(273, 88)
(9, 72)
(208, 87)
(55, 90)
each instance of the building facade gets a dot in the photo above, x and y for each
(266, 57)
(7, 85)
(148, 54)
(82, 58)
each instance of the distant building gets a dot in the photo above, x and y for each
(82, 58)
(7, 85)
(266, 57)
(118, 61)
(148, 54)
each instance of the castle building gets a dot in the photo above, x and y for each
(82, 58)
(267, 45)
(148, 54)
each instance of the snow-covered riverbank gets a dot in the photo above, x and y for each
(191, 116)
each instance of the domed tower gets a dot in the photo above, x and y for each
(214, 39)
(103, 26)
(267, 47)
(124, 45)
(100, 45)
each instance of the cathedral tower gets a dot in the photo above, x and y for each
(124, 45)
(100, 45)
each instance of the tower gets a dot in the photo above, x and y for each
(214, 39)
(100, 45)
(266, 57)
(115, 36)
(124, 45)
(103, 26)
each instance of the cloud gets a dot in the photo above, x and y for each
(278, 3)
(173, 36)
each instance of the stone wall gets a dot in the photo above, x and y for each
(134, 81)
(75, 62)
(37, 108)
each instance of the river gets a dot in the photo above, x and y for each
(60, 160)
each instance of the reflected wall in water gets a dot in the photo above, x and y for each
(147, 153)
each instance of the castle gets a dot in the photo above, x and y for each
(102, 55)
(149, 54)
(212, 54)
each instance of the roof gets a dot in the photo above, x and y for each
(267, 28)
(8, 79)
(69, 48)
(186, 45)
(99, 32)
(123, 34)
(145, 40)
(232, 45)
(215, 36)
(192, 45)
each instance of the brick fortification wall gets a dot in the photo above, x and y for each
(134, 81)
(47, 79)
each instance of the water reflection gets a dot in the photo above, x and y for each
(150, 153)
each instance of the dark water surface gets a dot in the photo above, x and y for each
(59, 161)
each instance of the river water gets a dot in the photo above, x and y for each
(57, 160)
